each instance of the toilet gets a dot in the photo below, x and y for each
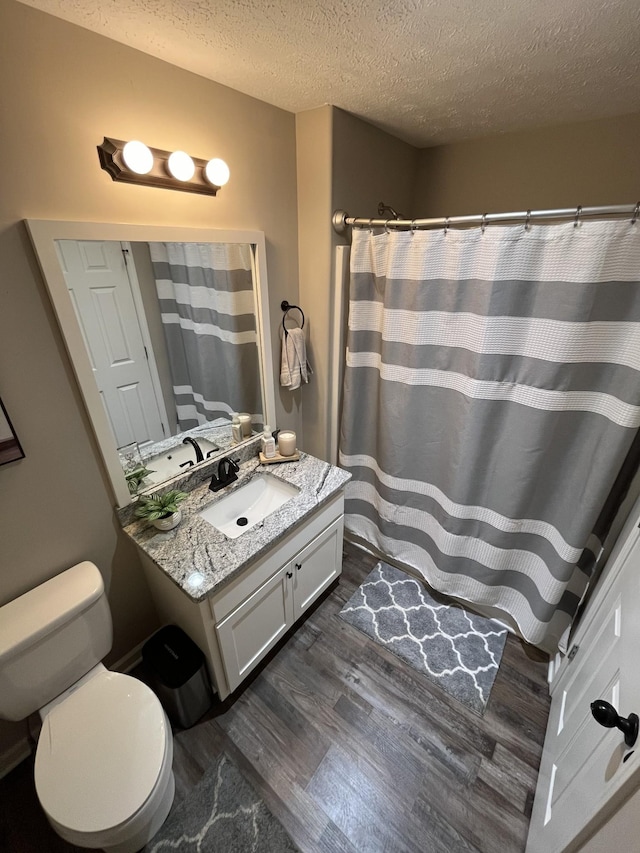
(103, 770)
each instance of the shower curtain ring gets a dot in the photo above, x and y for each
(370, 226)
(446, 225)
(386, 226)
(576, 221)
(636, 213)
(527, 221)
(413, 227)
(484, 222)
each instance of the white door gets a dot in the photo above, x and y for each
(99, 286)
(586, 769)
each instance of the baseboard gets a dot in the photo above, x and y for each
(129, 661)
(11, 757)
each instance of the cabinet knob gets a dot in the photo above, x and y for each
(298, 566)
(289, 574)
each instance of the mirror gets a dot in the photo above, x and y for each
(168, 333)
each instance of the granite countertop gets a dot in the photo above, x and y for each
(200, 559)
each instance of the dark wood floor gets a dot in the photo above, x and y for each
(354, 751)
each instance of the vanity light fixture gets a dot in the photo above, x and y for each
(181, 166)
(137, 157)
(136, 163)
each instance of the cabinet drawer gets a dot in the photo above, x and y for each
(282, 552)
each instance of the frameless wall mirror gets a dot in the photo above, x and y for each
(168, 334)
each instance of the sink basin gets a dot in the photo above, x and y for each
(167, 464)
(246, 506)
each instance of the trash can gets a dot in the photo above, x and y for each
(178, 675)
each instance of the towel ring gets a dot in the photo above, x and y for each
(286, 307)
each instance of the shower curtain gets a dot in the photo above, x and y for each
(492, 393)
(206, 300)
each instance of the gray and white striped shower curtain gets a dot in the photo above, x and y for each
(207, 309)
(492, 393)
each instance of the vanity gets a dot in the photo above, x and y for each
(123, 297)
(237, 597)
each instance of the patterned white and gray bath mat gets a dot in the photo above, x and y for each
(456, 649)
(223, 814)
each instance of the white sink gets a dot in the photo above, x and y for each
(167, 464)
(246, 506)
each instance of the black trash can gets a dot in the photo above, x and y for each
(178, 674)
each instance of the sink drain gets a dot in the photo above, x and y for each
(242, 521)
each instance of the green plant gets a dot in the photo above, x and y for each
(159, 506)
(135, 477)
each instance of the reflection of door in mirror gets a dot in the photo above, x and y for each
(170, 330)
(116, 337)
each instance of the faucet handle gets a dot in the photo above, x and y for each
(235, 464)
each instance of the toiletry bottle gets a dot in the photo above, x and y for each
(268, 443)
(236, 429)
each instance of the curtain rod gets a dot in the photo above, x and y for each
(341, 220)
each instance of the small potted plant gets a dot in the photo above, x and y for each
(161, 510)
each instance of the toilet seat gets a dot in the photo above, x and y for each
(101, 754)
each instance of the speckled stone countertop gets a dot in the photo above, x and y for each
(200, 559)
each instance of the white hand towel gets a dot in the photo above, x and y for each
(295, 367)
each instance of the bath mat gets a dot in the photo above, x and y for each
(223, 814)
(456, 649)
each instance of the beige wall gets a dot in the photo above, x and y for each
(62, 89)
(314, 165)
(343, 163)
(590, 163)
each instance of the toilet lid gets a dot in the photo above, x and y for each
(100, 753)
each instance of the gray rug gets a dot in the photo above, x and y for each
(223, 814)
(456, 649)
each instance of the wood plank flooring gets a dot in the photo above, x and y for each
(354, 751)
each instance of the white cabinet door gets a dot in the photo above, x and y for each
(583, 772)
(316, 566)
(247, 634)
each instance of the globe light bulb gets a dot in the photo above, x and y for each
(217, 172)
(137, 157)
(181, 166)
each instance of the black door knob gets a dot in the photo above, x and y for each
(607, 716)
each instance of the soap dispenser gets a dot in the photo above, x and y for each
(236, 429)
(268, 443)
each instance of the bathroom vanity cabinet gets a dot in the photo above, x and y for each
(237, 625)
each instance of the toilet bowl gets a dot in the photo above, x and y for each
(103, 761)
(103, 764)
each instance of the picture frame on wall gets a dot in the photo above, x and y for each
(10, 447)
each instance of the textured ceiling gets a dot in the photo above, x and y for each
(428, 71)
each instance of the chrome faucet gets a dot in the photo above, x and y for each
(226, 474)
(196, 447)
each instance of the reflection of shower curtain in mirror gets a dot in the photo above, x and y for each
(207, 308)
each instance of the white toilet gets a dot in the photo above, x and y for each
(103, 762)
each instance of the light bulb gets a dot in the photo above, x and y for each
(137, 157)
(217, 172)
(181, 166)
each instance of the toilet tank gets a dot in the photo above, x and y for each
(50, 637)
